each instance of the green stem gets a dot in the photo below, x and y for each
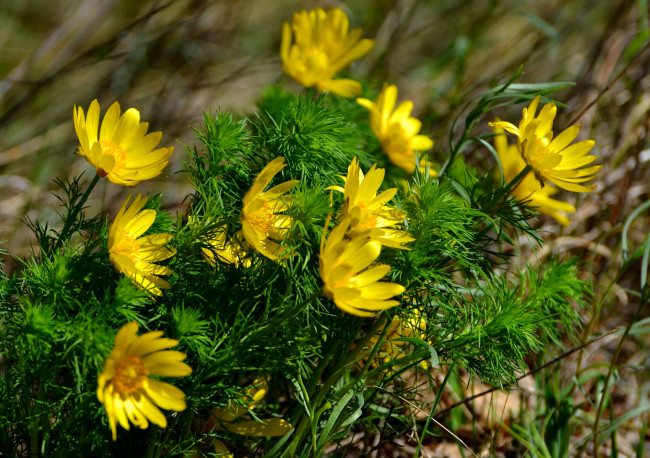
(160, 445)
(433, 408)
(455, 148)
(612, 366)
(520, 176)
(151, 443)
(71, 218)
(37, 423)
(323, 390)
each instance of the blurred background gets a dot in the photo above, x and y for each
(174, 59)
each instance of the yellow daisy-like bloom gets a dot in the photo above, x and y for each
(528, 189)
(553, 159)
(133, 255)
(349, 280)
(322, 48)
(369, 215)
(262, 223)
(121, 152)
(125, 387)
(226, 418)
(397, 130)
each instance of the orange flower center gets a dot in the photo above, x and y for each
(261, 219)
(130, 374)
(127, 246)
(111, 149)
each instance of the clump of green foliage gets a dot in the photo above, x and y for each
(61, 310)
(250, 319)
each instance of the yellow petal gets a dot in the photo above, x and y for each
(362, 48)
(264, 178)
(547, 161)
(128, 123)
(134, 415)
(343, 87)
(118, 410)
(371, 275)
(144, 146)
(575, 163)
(371, 304)
(346, 307)
(165, 395)
(421, 143)
(106, 162)
(92, 122)
(148, 409)
(386, 102)
(546, 116)
(578, 149)
(571, 186)
(271, 427)
(95, 154)
(280, 189)
(402, 115)
(140, 223)
(151, 342)
(221, 449)
(286, 42)
(110, 122)
(381, 290)
(508, 127)
(366, 103)
(564, 139)
(364, 256)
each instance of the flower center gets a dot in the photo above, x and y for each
(363, 217)
(127, 246)
(350, 281)
(316, 62)
(130, 374)
(317, 59)
(111, 149)
(397, 141)
(261, 219)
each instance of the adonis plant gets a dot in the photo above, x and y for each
(329, 267)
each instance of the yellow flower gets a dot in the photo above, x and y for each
(225, 418)
(260, 217)
(528, 189)
(125, 387)
(349, 280)
(392, 348)
(122, 152)
(322, 48)
(397, 130)
(553, 159)
(234, 251)
(370, 217)
(133, 255)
